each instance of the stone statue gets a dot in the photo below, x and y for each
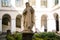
(28, 16)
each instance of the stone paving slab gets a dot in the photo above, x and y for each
(3, 37)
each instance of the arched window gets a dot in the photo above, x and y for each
(44, 3)
(44, 22)
(57, 21)
(6, 22)
(32, 2)
(18, 21)
(56, 2)
(18, 3)
(5, 3)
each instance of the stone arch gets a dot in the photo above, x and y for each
(44, 22)
(18, 22)
(6, 22)
(56, 17)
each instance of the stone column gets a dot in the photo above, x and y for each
(0, 25)
(22, 27)
(13, 25)
(51, 25)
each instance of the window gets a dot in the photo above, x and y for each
(44, 3)
(32, 2)
(6, 22)
(5, 3)
(18, 3)
(44, 22)
(18, 21)
(56, 2)
(56, 16)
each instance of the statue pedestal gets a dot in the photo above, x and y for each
(27, 36)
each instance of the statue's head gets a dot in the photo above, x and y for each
(27, 4)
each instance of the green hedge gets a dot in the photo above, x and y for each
(15, 36)
(10, 37)
(46, 36)
(36, 36)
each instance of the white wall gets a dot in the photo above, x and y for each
(14, 11)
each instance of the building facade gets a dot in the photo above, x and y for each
(47, 15)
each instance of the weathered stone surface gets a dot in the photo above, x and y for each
(3, 36)
(27, 36)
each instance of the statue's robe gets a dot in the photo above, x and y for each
(28, 15)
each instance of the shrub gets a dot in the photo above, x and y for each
(10, 37)
(43, 35)
(15, 36)
(18, 36)
(46, 36)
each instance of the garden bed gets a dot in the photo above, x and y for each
(36, 36)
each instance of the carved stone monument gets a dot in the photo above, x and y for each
(28, 16)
